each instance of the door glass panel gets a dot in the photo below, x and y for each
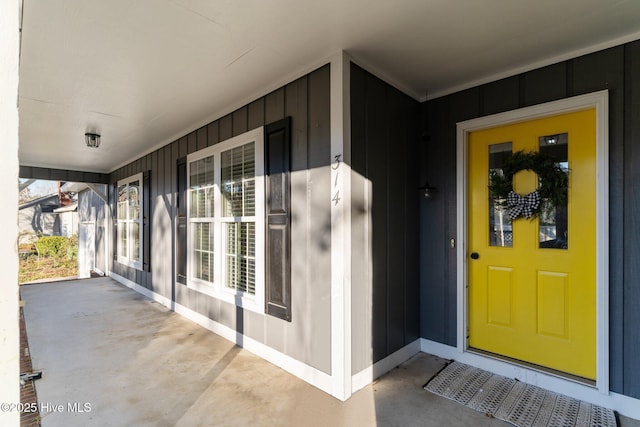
(553, 219)
(500, 230)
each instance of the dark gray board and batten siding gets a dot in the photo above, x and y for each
(52, 174)
(384, 252)
(307, 337)
(616, 69)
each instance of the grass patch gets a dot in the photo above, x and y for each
(58, 258)
(34, 268)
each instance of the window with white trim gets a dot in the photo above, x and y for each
(225, 220)
(129, 221)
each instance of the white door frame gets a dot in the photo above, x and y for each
(599, 101)
(84, 266)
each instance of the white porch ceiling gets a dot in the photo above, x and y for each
(142, 73)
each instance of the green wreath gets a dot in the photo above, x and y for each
(552, 188)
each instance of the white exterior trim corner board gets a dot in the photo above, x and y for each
(599, 101)
(340, 164)
(381, 367)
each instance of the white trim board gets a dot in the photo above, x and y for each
(599, 101)
(567, 56)
(381, 367)
(627, 406)
(264, 91)
(301, 72)
(340, 202)
(382, 75)
(301, 370)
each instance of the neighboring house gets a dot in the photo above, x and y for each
(85, 215)
(45, 216)
(92, 212)
(296, 226)
(68, 219)
(37, 217)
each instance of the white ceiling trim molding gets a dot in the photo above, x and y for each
(274, 86)
(404, 88)
(533, 66)
(301, 72)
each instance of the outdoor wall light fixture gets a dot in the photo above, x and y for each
(552, 139)
(92, 139)
(428, 190)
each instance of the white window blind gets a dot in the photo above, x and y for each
(225, 254)
(239, 201)
(202, 217)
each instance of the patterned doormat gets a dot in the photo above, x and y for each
(514, 401)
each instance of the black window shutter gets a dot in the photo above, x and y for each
(114, 217)
(181, 222)
(278, 218)
(146, 221)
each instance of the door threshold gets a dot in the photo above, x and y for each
(559, 374)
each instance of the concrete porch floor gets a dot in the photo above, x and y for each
(135, 363)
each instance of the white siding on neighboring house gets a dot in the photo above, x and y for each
(68, 219)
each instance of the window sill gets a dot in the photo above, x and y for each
(238, 299)
(133, 264)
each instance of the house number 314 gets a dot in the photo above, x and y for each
(337, 161)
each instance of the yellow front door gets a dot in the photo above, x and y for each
(532, 282)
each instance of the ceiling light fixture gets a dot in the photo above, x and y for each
(92, 140)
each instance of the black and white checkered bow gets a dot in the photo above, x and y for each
(518, 205)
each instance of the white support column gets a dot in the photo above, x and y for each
(9, 308)
(108, 235)
(340, 227)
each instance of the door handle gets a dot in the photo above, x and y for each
(474, 255)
